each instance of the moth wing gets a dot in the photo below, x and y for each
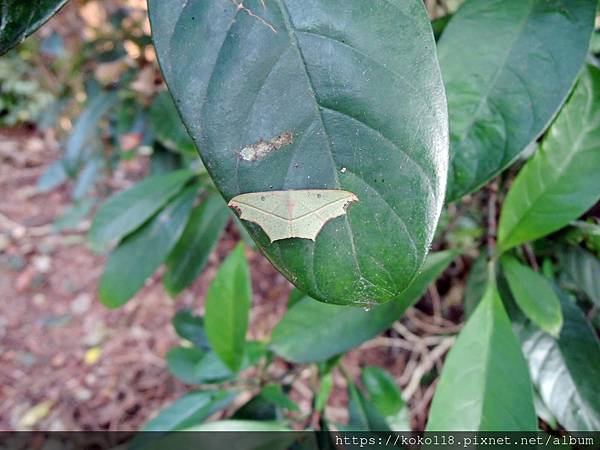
(274, 226)
(302, 202)
(310, 225)
(289, 214)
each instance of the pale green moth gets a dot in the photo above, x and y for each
(292, 214)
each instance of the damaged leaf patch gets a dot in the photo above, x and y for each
(262, 148)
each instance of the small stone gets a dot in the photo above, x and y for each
(4, 241)
(81, 303)
(39, 299)
(42, 263)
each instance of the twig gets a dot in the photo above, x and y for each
(436, 303)
(404, 379)
(447, 327)
(388, 342)
(531, 257)
(491, 218)
(427, 362)
(420, 409)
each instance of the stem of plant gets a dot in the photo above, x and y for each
(492, 223)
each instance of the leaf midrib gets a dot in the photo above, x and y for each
(296, 44)
(558, 174)
(498, 72)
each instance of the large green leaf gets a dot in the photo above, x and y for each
(534, 295)
(485, 384)
(357, 92)
(128, 210)
(18, 19)
(561, 181)
(508, 65)
(142, 252)
(189, 410)
(313, 331)
(227, 306)
(197, 242)
(566, 371)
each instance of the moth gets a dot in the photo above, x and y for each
(292, 214)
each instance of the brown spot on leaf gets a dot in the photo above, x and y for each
(262, 148)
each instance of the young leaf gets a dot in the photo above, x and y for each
(128, 210)
(141, 253)
(566, 371)
(196, 366)
(227, 305)
(18, 19)
(53, 176)
(190, 327)
(561, 181)
(200, 237)
(325, 388)
(523, 58)
(485, 384)
(274, 393)
(385, 395)
(299, 337)
(189, 410)
(363, 415)
(295, 94)
(86, 129)
(257, 408)
(534, 295)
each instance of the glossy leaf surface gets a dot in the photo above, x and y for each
(561, 181)
(227, 307)
(534, 294)
(484, 384)
(18, 19)
(297, 94)
(301, 335)
(508, 65)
